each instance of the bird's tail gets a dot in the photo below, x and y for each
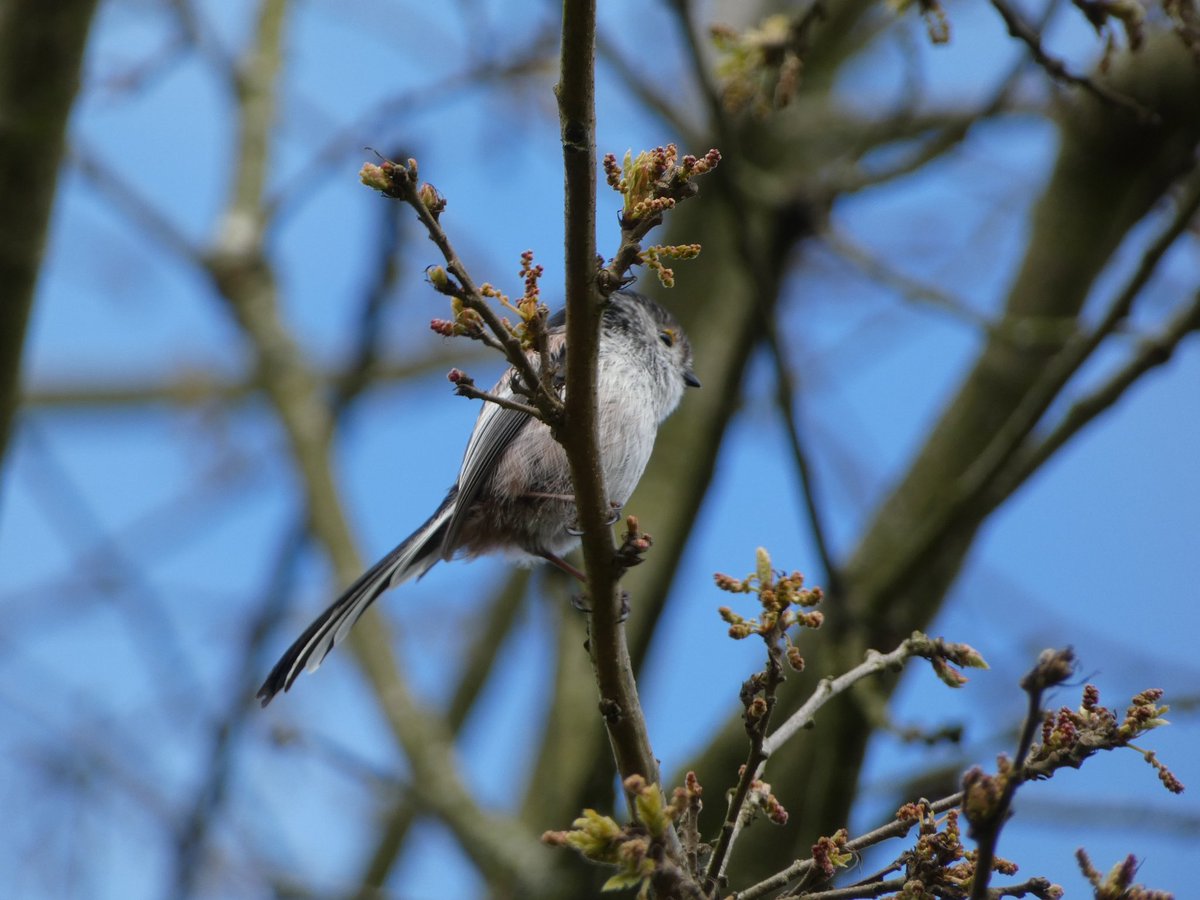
(411, 559)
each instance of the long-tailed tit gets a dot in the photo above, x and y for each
(513, 492)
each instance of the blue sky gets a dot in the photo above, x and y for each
(132, 542)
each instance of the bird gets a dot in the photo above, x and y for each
(513, 493)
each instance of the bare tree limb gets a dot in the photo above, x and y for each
(479, 660)
(817, 524)
(191, 838)
(894, 829)
(666, 108)
(1152, 352)
(1053, 667)
(41, 53)
(619, 702)
(504, 853)
(122, 581)
(1058, 70)
(201, 387)
(526, 61)
(988, 466)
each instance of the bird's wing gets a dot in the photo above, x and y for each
(495, 430)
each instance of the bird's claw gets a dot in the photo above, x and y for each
(614, 514)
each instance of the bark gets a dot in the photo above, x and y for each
(41, 54)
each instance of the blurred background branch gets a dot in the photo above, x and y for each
(944, 318)
(42, 55)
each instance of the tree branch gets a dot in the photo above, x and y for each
(201, 386)
(1151, 352)
(894, 829)
(41, 53)
(1057, 69)
(828, 688)
(986, 470)
(619, 703)
(400, 182)
(785, 398)
(491, 630)
(504, 853)
(852, 892)
(665, 107)
(1053, 667)
(735, 816)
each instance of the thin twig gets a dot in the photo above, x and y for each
(192, 835)
(828, 688)
(852, 892)
(504, 853)
(140, 210)
(666, 107)
(201, 386)
(490, 73)
(491, 629)
(467, 389)
(1152, 352)
(786, 401)
(119, 574)
(1039, 887)
(404, 186)
(1056, 68)
(701, 73)
(763, 746)
(913, 289)
(894, 829)
(209, 797)
(1052, 668)
(948, 136)
(772, 678)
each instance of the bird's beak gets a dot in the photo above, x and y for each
(690, 379)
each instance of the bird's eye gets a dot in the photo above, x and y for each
(667, 337)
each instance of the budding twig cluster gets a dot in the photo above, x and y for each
(530, 311)
(651, 183)
(523, 344)
(760, 67)
(1118, 884)
(782, 597)
(637, 849)
(653, 256)
(1069, 736)
(655, 180)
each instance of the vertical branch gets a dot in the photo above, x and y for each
(41, 52)
(576, 94)
(988, 819)
(619, 702)
(785, 399)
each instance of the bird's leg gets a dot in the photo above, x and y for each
(564, 565)
(577, 600)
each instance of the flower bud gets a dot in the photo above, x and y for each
(438, 278)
